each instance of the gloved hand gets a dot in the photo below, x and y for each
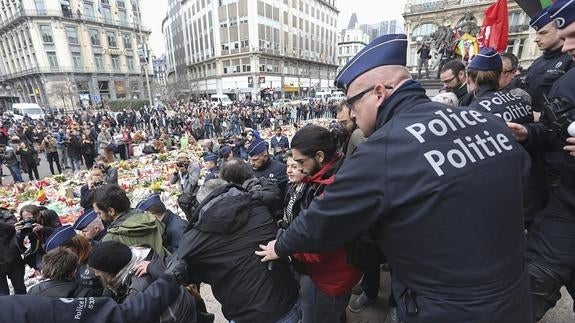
(178, 268)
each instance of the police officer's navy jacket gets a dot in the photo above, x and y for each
(506, 104)
(145, 307)
(543, 73)
(442, 188)
(553, 236)
(273, 171)
(175, 227)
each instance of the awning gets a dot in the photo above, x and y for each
(290, 88)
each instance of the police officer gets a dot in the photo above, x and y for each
(264, 166)
(175, 225)
(550, 241)
(443, 188)
(483, 75)
(211, 161)
(539, 79)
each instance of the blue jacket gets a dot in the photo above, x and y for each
(175, 227)
(441, 188)
(60, 138)
(146, 307)
(273, 172)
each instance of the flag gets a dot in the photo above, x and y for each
(531, 7)
(495, 28)
(41, 196)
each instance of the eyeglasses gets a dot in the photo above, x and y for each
(358, 96)
(448, 81)
(509, 71)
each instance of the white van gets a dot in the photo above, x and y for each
(338, 96)
(222, 99)
(32, 110)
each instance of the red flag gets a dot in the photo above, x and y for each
(495, 28)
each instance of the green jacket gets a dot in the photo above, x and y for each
(135, 228)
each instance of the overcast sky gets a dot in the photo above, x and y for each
(368, 11)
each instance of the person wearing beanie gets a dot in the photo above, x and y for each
(264, 166)
(417, 170)
(113, 262)
(175, 225)
(549, 249)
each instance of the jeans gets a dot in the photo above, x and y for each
(74, 162)
(52, 157)
(16, 174)
(306, 298)
(420, 63)
(63, 157)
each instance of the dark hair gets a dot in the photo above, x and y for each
(59, 264)
(485, 77)
(512, 58)
(159, 208)
(49, 218)
(33, 209)
(236, 171)
(455, 66)
(111, 196)
(311, 139)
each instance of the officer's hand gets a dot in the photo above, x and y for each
(571, 146)
(519, 132)
(268, 251)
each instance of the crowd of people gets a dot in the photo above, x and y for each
(468, 201)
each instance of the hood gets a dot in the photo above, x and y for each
(135, 223)
(225, 210)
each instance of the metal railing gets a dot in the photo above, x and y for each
(64, 70)
(440, 5)
(71, 15)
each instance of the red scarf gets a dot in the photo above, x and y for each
(318, 177)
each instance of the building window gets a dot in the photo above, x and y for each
(520, 48)
(77, 59)
(116, 63)
(46, 31)
(111, 39)
(72, 35)
(130, 61)
(246, 68)
(94, 37)
(121, 4)
(127, 38)
(99, 61)
(424, 31)
(52, 59)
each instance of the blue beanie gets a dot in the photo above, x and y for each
(84, 220)
(59, 237)
(487, 60)
(211, 157)
(152, 200)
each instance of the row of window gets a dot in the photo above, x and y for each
(98, 61)
(95, 39)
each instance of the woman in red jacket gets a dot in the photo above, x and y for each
(314, 149)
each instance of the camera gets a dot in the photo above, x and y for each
(27, 226)
(182, 164)
(556, 116)
(98, 183)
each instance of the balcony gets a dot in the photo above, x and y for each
(72, 16)
(518, 28)
(64, 70)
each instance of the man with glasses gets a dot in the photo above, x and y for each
(452, 76)
(441, 187)
(353, 134)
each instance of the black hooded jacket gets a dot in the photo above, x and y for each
(219, 248)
